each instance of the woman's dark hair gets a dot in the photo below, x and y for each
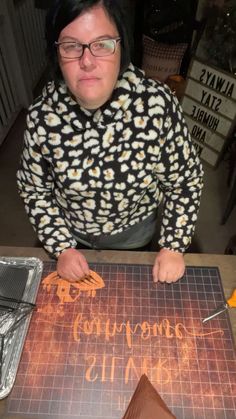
(63, 12)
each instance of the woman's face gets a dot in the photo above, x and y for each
(91, 79)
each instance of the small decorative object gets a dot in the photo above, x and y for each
(161, 60)
(177, 84)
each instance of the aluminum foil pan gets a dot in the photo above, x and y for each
(19, 280)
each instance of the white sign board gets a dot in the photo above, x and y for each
(209, 105)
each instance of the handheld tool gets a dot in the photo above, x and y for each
(230, 303)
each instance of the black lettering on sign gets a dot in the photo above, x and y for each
(198, 149)
(211, 101)
(199, 133)
(202, 75)
(217, 82)
(202, 116)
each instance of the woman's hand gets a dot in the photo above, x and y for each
(72, 265)
(169, 266)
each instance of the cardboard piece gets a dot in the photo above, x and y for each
(146, 403)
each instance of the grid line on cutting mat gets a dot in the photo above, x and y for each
(83, 359)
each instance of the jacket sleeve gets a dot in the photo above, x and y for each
(35, 185)
(181, 179)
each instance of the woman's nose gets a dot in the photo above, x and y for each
(87, 60)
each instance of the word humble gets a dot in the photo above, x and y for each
(205, 118)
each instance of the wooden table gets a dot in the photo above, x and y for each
(225, 263)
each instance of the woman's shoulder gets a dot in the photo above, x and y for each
(141, 84)
(43, 96)
(51, 94)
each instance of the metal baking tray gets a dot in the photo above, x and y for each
(19, 279)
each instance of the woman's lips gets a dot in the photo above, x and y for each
(88, 80)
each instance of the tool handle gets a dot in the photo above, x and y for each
(232, 300)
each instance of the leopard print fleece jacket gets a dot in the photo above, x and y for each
(99, 173)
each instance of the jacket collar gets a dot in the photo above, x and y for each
(60, 100)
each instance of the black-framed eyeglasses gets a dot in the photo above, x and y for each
(100, 48)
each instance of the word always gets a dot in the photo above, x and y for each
(216, 82)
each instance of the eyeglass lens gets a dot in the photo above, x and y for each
(99, 48)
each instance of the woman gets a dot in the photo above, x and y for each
(103, 145)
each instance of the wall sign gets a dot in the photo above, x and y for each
(209, 105)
